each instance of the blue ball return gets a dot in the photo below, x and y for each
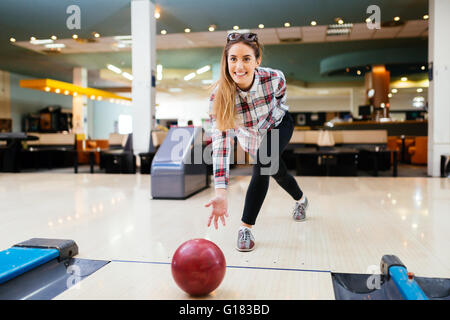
(42, 268)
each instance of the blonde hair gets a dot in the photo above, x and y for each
(224, 100)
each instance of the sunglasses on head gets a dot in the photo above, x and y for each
(246, 36)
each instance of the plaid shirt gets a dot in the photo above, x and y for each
(258, 110)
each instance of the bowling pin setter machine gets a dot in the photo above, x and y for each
(42, 269)
(178, 169)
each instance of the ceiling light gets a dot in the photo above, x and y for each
(75, 94)
(419, 90)
(397, 19)
(189, 76)
(66, 92)
(313, 23)
(394, 90)
(187, 30)
(12, 39)
(92, 97)
(127, 75)
(54, 37)
(163, 31)
(358, 72)
(43, 41)
(96, 35)
(57, 90)
(32, 39)
(75, 36)
(422, 68)
(390, 95)
(261, 26)
(404, 78)
(287, 24)
(212, 27)
(55, 45)
(114, 69)
(157, 15)
(340, 21)
(368, 20)
(99, 98)
(203, 69)
(236, 28)
(425, 17)
(47, 89)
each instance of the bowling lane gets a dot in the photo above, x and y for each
(351, 222)
(131, 280)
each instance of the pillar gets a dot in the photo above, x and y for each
(438, 91)
(143, 31)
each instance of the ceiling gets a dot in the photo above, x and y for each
(300, 60)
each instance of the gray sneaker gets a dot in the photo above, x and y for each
(299, 213)
(246, 241)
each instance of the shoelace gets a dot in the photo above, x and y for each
(246, 235)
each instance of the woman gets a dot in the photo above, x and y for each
(249, 101)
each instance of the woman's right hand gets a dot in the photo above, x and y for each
(219, 208)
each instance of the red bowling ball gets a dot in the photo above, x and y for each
(198, 267)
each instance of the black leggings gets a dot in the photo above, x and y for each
(259, 183)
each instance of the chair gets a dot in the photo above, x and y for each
(120, 160)
(419, 152)
(156, 139)
(392, 144)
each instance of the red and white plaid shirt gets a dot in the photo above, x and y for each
(258, 110)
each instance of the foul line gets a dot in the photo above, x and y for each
(231, 267)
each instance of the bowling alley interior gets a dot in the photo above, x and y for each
(103, 105)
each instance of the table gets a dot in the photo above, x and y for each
(375, 153)
(91, 158)
(327, 158)
(12, 150)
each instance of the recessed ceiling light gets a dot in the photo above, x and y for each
(66, 92)
(32, 39)
(394, 90)
(390, 95)
(203, 69)
(404, 78)
(57, 90)
(212, 28)
(422, 68)
(419, 90)
(236, 28)
(396, 18)
(75, 94)
(157, 15)
(287, 24)
(47, 89)
(54, 37)
(368, 20)
(93, 97)
(189, 76)
(12, 39)
(261, 26)
(358, 72)
(114, 69)
(127, 75)
(96, 35)
(163, 31)
(313, 23)
(340, 21)
(187, 30)
(425, 17)
(75, 36)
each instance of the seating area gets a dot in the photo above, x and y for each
(340, 152)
